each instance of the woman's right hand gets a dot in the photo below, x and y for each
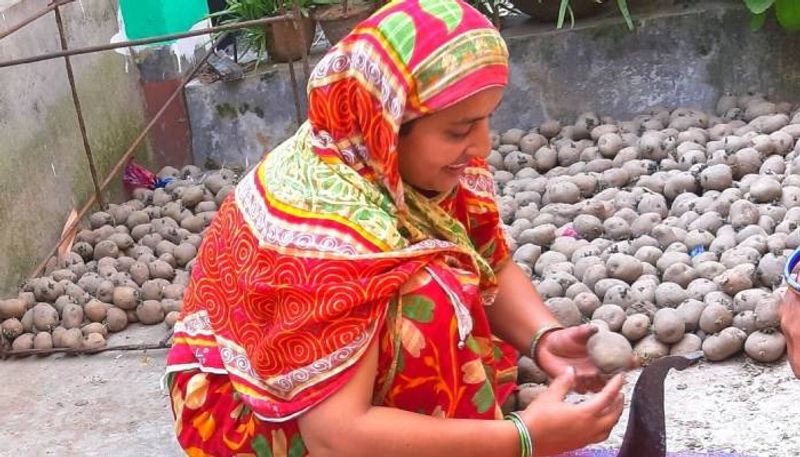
(557, 426)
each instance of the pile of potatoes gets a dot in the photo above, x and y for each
(669, 231)
(131, 263)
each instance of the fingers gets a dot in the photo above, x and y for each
(605, 397)
(579, 335)
(610, 417)
(560, 386)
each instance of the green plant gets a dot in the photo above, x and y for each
(622, 5)
(493, 9)
(254, 38)
(786, 11)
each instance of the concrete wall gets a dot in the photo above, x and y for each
(43, 167)
(681, 53)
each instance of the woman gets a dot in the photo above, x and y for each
(346, 299)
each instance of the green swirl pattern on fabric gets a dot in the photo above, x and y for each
(400, 31)
(449, 12)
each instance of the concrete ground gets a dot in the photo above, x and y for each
(110, 404)
(107, 404)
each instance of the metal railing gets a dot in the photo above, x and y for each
(65, 53)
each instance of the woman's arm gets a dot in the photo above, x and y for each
(519, 312)
(346, 424)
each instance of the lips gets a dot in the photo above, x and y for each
(457, 167)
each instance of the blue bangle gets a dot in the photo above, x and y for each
(791, 263)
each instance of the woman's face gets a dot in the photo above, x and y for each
(434, 152)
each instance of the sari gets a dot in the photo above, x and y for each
(322, 250)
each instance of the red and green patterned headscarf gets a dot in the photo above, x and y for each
(296, 273)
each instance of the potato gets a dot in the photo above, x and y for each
(99, 219)
(587, 303)
(116, 320)
(669, 295)
(95, 327)
(47, 290)
(45, 317)
(43, 340)
(724, 344)
(565, 311)
(748, 299)
(185, 252)
(680, 274)
(636, 327)
(126, 298)
(171, 318)
(649, 349)
(613, 315)
(688, 344)
(624, 267)
(12, 308)
(174, 291)
(27, 297)
(691, 310)
(161, 269)
(527, 393)
(71, 316)
(106, 248)
(765, 347)
(745, 321)
(95, 310)
(93, 341)
(714, 318)
(72, 339)
(768, 313)
(150, 312)
(11, 328)
(610, 352)
(736, 280)
(668, 325)
(23, 342)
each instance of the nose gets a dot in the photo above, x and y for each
(480, 144)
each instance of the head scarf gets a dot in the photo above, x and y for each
(297, 270)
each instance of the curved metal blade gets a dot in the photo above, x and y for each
(646, 433)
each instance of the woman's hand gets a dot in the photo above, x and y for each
(556, 426)
(790, 326)
(561, 349)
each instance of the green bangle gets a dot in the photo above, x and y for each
(525, 441)
(538, 337)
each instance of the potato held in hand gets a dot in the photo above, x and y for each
(610, 352)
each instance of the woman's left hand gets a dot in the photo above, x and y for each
(560, 349)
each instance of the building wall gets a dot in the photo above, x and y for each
(43, 167)
(680, 54)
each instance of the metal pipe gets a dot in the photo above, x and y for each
(292, 75)
(33, 17)
(121, 162)
(78, 111)
(303, 51)
(143, 41)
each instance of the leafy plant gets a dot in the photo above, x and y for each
(565, 8)
(493, 9)
(786, 11)
(254, 38)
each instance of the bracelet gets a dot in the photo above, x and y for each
(538, 337)
(791, 263)
(525, 441)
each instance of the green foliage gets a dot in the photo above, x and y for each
(494, 9)
(254, 38)
(786, 11)
(565, 8)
